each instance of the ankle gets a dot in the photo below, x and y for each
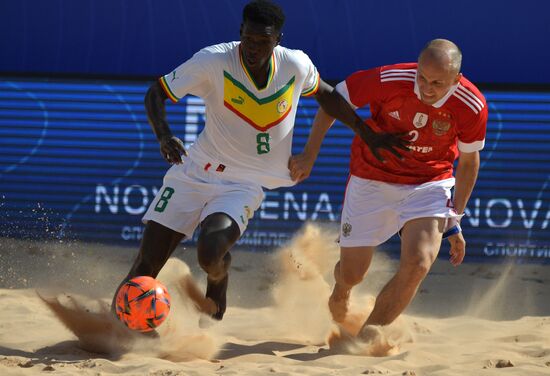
(216, 279)
(340, 292)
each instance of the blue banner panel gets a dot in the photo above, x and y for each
(78, 161)
(503, 41)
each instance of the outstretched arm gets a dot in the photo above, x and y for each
(466, 177)
(334, 106)
(171, 147)
(300, 165)
(337, 107)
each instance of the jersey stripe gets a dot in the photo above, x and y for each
(397, 74)
(467, 102)
(471, 95)
(469, 99)
(311, 91)
(471, 147)
(265, 100)
(398, 70)
(411, 79)
(167, 90)
(270, 75)
(259, 127)
(261, 113)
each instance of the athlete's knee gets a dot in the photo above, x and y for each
(349, 275)
(416, 267)
(213, 253)
(217, 235)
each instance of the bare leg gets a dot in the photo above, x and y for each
(218, 234)
(420, 243)
(157, 244)
(348, 272)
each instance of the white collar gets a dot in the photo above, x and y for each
(440, 102)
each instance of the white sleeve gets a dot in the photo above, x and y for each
(311, 82)
(190, 77)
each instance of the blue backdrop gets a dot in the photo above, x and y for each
(79, 161)
(503, 41)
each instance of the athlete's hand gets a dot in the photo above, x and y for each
(458, 248)
(171, 149)
(300, 166)
(385, 141)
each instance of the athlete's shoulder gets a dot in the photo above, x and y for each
(217, 52)
(220, 48)
(295, 57)
(403, 73)
(469, 98)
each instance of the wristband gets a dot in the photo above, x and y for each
(452, 227)
(452, 231)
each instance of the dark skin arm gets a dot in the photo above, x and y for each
(334, 106)
(337, 107)
(171, 147)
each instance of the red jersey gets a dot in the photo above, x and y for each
(437, 132)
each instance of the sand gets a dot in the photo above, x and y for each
(476, 319)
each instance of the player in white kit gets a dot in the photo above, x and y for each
(251, 90)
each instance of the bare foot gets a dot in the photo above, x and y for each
(370, 341)
(338, 304)
(376, 342)
(340, 340)
(217, 291)
(188, 287)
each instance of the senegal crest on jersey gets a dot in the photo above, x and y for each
(261, 113)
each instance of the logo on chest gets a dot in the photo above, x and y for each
(442, 124)
(440, 127)
(261, 113)
(420, 120)
(395, 115)
(282, 106)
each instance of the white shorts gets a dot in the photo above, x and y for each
(374, 211)
(190, 194)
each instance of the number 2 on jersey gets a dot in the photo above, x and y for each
(262, 143)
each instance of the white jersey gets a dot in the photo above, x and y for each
(248, 132)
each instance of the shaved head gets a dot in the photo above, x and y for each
(443, 53)
(438, 69)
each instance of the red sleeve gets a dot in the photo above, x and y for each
(364, 86)
(471, 135)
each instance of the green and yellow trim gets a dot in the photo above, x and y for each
(265, 100)
(167, 90)
(270, 75)
(311, 91)
(260, 113)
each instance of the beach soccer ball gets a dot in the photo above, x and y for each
(142, 303)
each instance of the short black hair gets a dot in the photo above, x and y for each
(264, 12)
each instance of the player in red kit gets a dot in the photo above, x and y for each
(444, 117)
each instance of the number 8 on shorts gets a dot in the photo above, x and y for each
(164, 197)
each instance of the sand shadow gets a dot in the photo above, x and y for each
(232, 350)
(65, 352)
